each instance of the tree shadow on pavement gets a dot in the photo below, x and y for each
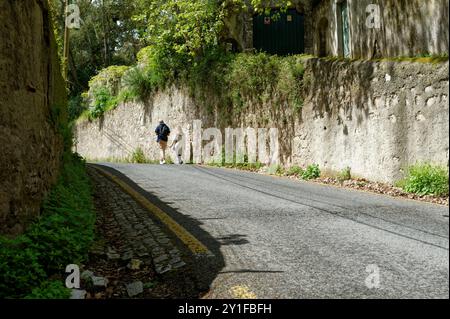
(203, 269)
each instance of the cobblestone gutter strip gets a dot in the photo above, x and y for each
(146, 225)
(194, 245)
(143, 239)
(134, 255)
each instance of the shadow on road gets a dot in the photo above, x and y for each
(233, 240)
(251, 271)
(205, 269)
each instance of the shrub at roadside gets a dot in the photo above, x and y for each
(311, 172)
(275, 169)
(344, 175)
(426, 179)
(138, 156)
(295, 171)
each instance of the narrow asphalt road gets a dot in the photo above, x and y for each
(280, 238)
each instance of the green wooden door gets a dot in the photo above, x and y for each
(282, 35)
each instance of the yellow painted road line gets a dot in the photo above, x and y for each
(242, 292)
(187, 238)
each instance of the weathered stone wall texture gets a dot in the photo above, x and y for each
(374, 117)
(30, 85)
(408, 28)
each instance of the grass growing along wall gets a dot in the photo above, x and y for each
(33, 264)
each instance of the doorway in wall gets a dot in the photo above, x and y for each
(322, 37)
(279, 32)
(344, 28)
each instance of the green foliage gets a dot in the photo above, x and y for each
(138, 84)
(291, 81)
(50, 290)
(263, 6)
(85, 116)
(186, 38)
(276, 169)
(163, 65)
(104, 88)
(187, 27)
(76, 107)
(253, 167)
(109, 78)
(311, 172)
(61, 235)
(421, 58)
(55, 9)
(186, 48)
(108, 36)
(182, 26)
(344, 175)
(58, 119)
(426, 179)
(246, 78)
(102, 101)
(295, 171)
(250, 76)
(209, 70)
(138, 156)
(19, 267)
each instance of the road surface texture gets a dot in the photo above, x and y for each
(279, 238)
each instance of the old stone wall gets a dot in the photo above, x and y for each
(30, 88)
(408, 28)
(117, 134)
(374, 117)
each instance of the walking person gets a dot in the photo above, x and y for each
(176, 145)
(162, 133)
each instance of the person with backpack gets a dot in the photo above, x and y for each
(162, 133)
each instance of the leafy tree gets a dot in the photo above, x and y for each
(188, 27)
(181, 33)
(108, 36)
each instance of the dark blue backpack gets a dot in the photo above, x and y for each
(163, 131)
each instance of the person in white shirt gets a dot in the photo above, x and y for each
(177, 145)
